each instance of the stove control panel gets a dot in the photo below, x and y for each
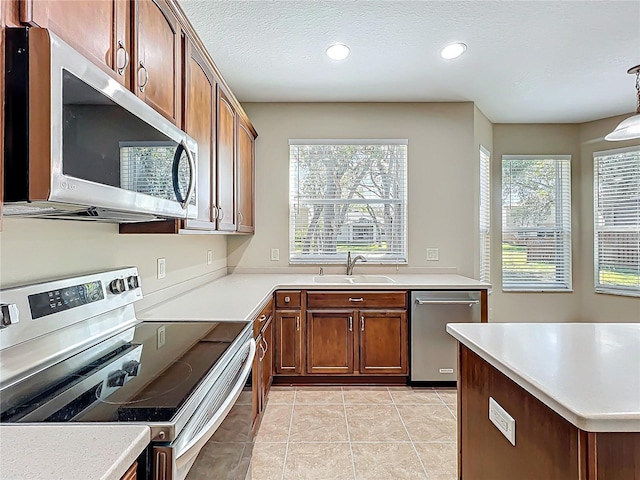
(54, 301)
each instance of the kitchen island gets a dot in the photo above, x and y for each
(572, 389)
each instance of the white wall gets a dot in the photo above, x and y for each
(533, 139)
(598, 307)
(32, 250)
(442, 174)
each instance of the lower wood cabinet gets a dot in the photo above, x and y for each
(131, 474)
(341, 333)
(330, 341)
(262, 373)
(289, 353)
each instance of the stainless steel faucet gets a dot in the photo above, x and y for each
(352, 263)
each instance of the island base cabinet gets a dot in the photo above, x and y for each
(546, 445)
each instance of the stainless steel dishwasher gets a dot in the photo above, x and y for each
(433, 350)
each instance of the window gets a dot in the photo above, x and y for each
(485, 215)
(348, 195)
(536, 223)
(616, 188)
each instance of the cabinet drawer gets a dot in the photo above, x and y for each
(357, 299)
(263, 318)
(288, 299)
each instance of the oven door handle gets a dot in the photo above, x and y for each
(192, 448)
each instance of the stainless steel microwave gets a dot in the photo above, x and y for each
(79, 145)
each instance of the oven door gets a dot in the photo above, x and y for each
(219, 430)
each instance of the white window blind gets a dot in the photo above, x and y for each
(617, 221)
(536, 223)
(485, 215)
(348, 195)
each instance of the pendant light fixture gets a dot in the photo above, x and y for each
(629, 129)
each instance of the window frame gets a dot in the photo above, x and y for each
(599, 287)
(484, 222)
(340, 257)
(562, 227)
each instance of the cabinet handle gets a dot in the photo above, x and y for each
(240, 217)
(220, 214)
(262, 318)
(356, 299)
(126, 57)
(214, 212)
(146, 76)
(351, 324)
(266, 345)
(298, 324)
(362, 323)
(264, 352)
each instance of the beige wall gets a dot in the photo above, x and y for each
(32, 250)
(547, 139)
(442, 178)
(598, 307)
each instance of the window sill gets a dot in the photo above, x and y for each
(618, 294)
(537, 290)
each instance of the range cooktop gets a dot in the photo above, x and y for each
(146, 378)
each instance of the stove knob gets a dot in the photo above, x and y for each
(132, 368)
(133, 282)
(8, 314)
(117, 286)
(116, 379)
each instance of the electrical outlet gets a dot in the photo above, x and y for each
(275, 254)
(161, 337)
(209, 257)
(502, 420)
(433, 254)
(162, 268)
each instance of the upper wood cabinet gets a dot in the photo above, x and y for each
(99, 29)
(157, 65)
(245, 183)
(226, 163)
(199, 123)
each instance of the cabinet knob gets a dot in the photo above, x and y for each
(287, 299)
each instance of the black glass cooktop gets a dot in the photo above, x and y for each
(146, 378)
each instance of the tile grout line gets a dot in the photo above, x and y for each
(445, 404)
(286, 449)
(408, 434)
(346, 419)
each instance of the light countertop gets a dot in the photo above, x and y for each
(589, 373)
(70, 452)
(239, 297)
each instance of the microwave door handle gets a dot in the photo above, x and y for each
(193, 447)
(184, 201)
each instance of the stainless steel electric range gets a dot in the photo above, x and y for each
(72, 350)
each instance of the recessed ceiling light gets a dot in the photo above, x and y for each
(453, 50)
(338, 51)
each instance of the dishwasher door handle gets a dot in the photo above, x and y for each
(471, 303)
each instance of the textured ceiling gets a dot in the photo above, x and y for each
(527, 61)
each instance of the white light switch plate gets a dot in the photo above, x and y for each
(162, 268)
(209, 257)
(502, 420)
(161, 337)
(432, 254)
(275, 254)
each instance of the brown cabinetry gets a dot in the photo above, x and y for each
(383, 342)
(245, 184)
(262, 373)
(99, 29)
(330, 341)
(289, 346)
(131, 474)
(226, 154)
(157, 59)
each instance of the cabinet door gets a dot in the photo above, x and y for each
(245, 183)
(330, 341)
(199, 118)
(226, 164)
(99, 29)
(289, 359)
(256, 382)
(157, 61)
(383, 342)
(267, 362)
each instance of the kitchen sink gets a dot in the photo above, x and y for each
(352, 279)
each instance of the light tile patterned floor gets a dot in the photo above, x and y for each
(357, 433)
